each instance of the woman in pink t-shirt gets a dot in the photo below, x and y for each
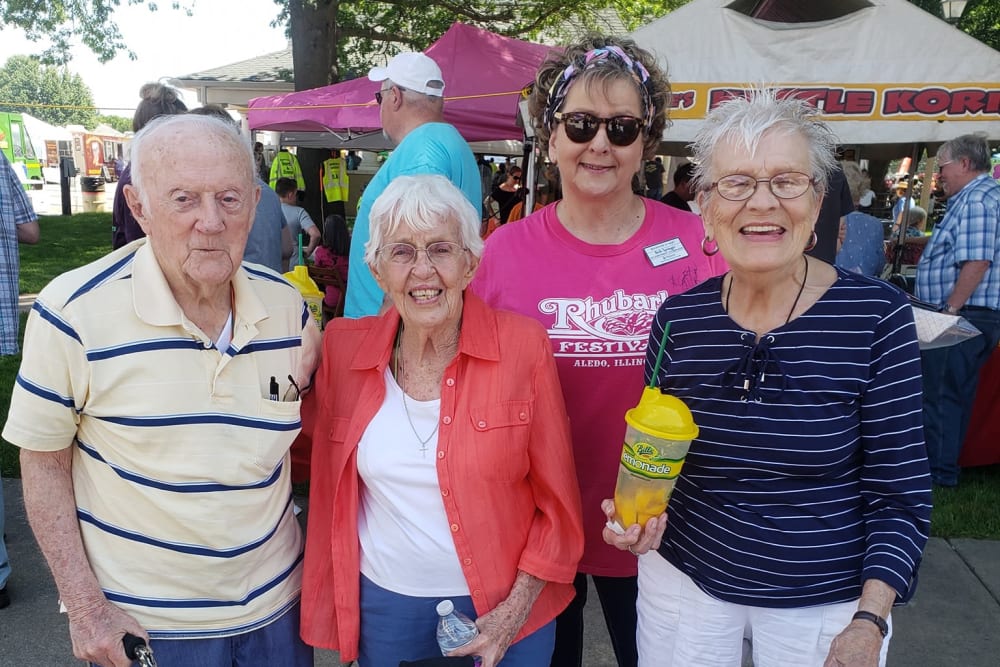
(593, 268)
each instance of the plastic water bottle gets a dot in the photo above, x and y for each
(455, 629)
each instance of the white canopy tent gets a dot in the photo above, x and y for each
(886, 74)
(40, 132)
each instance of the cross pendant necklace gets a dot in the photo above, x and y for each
(399, 380)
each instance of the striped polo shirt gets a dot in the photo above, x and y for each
(809, 475)
(180, 459)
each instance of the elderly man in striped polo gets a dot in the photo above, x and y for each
(155, 406)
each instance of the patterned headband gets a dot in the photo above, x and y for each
(589, 60)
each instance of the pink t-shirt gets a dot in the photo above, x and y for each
(597, 303)
(324, 258)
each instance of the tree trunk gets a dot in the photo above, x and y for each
(313, 28)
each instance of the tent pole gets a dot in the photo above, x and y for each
(531, 175)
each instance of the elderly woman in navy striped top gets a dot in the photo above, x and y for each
(803, 506)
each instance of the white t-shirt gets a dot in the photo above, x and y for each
(406, 545)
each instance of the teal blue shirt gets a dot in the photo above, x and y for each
(432, 148)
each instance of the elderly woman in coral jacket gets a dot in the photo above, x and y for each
(441, 457)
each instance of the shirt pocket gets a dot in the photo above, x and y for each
(279, 424)
(501, 433)
(336, 431)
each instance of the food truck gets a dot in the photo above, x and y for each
(17, 147)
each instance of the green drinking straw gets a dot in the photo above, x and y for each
(659, 356)
(302, 261)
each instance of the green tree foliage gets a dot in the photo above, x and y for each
(59, 21)
(49, 92)
(346, 36)
(981, 19)
(120, 123)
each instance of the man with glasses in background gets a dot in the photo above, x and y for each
(958, 270)
(411, 108)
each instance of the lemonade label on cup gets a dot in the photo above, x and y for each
(642, 459)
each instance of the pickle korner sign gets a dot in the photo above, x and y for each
(851, 102)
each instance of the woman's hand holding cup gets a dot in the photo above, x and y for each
(635, 538)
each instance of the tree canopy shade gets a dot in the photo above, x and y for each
(49, 92)
(339, 39)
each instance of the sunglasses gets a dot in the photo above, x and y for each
(380, 93)
(582, 127)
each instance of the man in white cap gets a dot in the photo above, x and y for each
(411, 106)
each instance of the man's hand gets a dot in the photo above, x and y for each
(96, 631)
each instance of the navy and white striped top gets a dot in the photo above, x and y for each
(809, 475)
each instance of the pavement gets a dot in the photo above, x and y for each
(953, 620)
(48, 200)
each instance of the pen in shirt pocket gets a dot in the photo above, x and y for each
(273, 390)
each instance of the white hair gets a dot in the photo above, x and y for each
(743, 121)
(422, 203)
(207, 126)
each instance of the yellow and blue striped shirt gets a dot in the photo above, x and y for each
(180, 466)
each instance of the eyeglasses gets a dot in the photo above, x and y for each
(440, 253)
(740, 187)
(582, 127)
(380, 93)
(942, 165)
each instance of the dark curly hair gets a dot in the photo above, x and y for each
(555, 65)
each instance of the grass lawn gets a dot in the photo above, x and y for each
(967, 511)
(66, 243)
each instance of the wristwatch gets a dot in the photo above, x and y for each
(946, 308)
(883, 627)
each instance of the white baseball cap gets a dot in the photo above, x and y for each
(413, 71)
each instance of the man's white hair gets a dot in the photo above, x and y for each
(206, 126)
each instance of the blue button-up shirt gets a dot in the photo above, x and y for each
(15, 209)
(970, 231)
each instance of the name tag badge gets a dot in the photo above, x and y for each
(665, 252)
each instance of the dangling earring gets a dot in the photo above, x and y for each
(813, 240)
(706, 249)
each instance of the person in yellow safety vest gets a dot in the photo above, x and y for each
(286, 165)
(335, 182)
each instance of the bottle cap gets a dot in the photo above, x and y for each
(663, 416)
(445, 607)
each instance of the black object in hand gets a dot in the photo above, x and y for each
(458, 661)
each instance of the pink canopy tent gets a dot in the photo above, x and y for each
(484, 74)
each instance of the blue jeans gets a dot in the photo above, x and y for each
(950, 376)
(277, 643)
(4, 563)
(396, 627)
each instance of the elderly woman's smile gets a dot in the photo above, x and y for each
(744, 225)
(424, 272)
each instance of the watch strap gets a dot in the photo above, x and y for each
(883, 627)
